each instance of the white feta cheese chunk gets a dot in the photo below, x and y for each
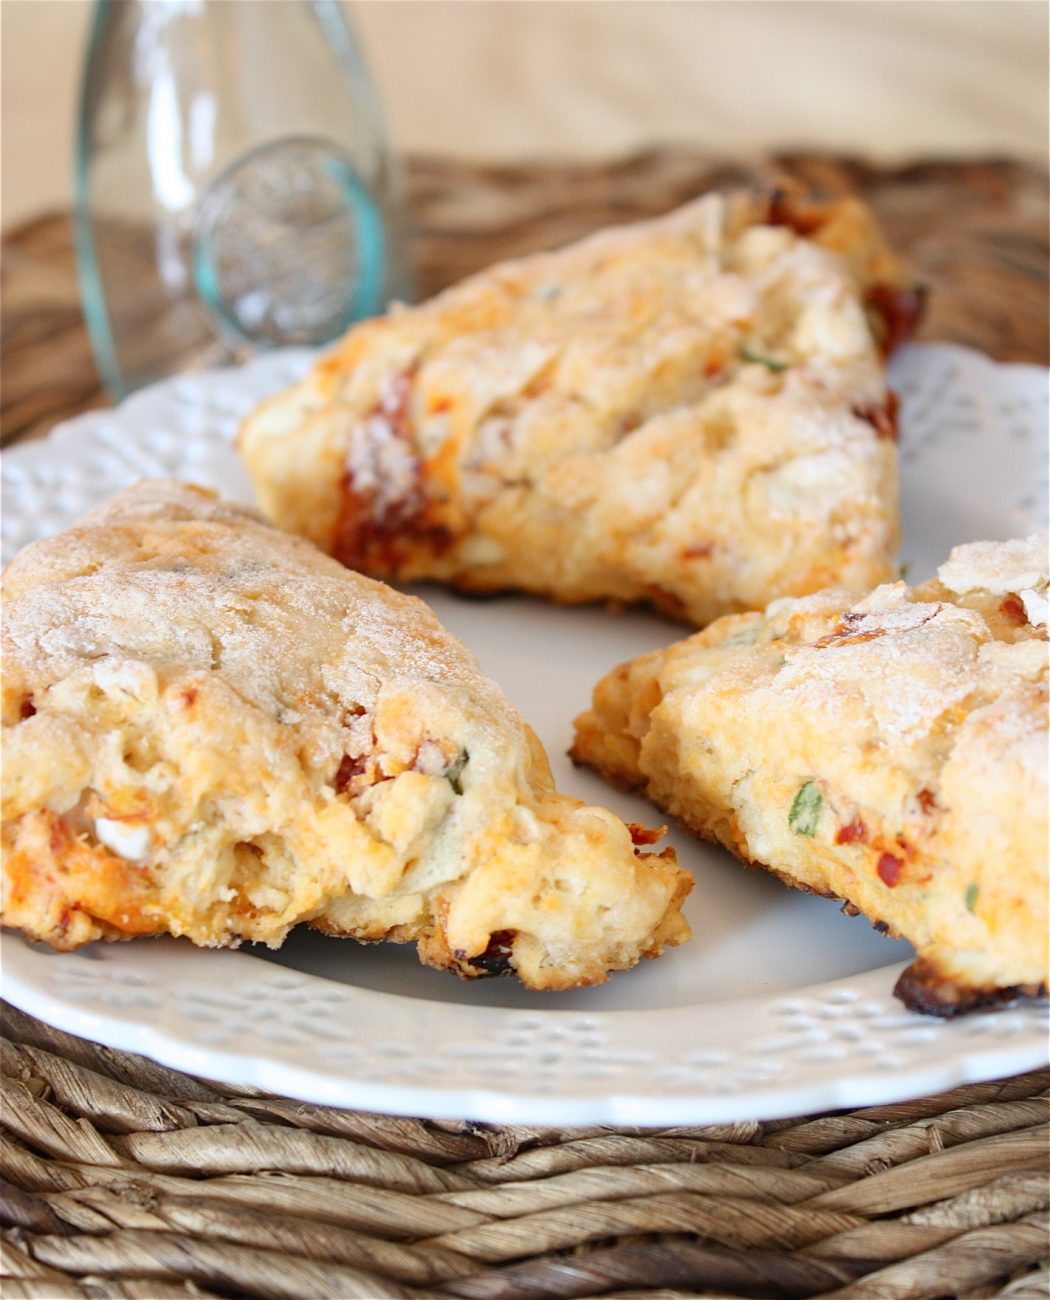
(131, 842)
(1036, 607)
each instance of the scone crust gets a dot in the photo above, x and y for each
(690, 411)
(889, 750)
(213, 730)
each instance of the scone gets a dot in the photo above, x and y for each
(889, 750)
(212, 730)
(691, 412)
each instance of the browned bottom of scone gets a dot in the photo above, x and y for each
(517, 951)
(433, 951)
(661, 603)
(925, 987)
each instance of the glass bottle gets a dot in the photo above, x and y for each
(233, 187)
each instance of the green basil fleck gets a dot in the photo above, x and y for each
(760, 359)
(455, 771)
(971, 896)
(805, 809)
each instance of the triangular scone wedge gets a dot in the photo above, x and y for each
(691, 411)
(889, 750)
(213, 730)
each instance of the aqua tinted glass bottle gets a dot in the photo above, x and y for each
(233, 186)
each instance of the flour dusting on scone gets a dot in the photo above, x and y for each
(212, 730)
(691, 411)
(889, 750)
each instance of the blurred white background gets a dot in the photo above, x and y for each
(512, 79)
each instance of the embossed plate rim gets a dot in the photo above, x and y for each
(986, 1045)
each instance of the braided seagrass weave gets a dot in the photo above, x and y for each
(124, 1178)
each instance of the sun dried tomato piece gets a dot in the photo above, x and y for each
(889, 869)
(363, 540)
(882, 417)
(349, 767)
(899, 311)
(853, 832)
(644, 834)
(378, 527)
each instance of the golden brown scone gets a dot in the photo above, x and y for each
(212, 730)
(690, 411)
(889, 750)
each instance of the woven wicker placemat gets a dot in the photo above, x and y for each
(124, 1178)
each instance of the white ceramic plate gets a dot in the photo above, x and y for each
(780, 1004)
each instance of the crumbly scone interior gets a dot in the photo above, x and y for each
(691, 412)
(212, 730)
(890, 750)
